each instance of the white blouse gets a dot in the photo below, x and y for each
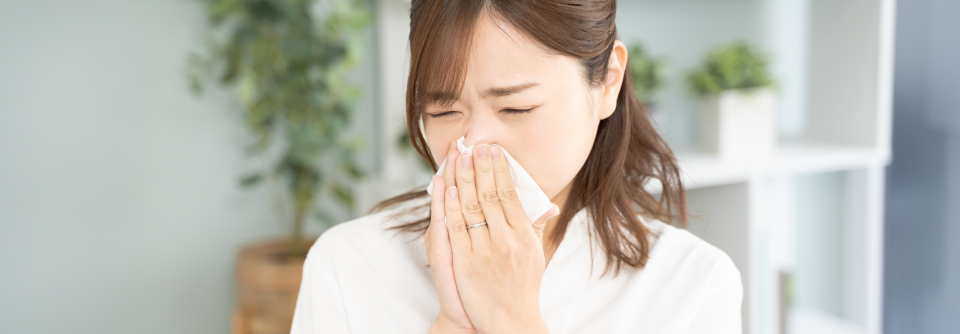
(361, 278)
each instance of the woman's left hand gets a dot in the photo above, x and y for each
(498, 266)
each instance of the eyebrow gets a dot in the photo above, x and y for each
(435, 98)
(504, 91)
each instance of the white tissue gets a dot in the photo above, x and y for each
(535, 203)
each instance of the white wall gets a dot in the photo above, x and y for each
(683, 32)
(119, 205)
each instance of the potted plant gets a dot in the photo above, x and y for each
(646, 74)
(289, 70)
(737, 117)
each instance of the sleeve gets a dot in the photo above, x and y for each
(319, 303)
(720, 310)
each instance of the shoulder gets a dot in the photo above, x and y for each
(710, 281)
(680, 250)
(365, 235)
(702, 278)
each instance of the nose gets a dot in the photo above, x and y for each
(482, 128)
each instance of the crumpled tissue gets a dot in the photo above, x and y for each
(535, 203)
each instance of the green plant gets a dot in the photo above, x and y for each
(289, 72)
(735, 66)
(646, 73)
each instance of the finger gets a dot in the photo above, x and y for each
(438, 238)
(435, 239)
(439, 252)
(542, 221)
(442, 168)
(456, 226)
(487, 192)
(472, 213)
(509, 202)
(448, 168)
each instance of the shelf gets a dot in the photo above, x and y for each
(701, 170)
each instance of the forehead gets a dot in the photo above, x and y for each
(461, 62)
(502, 56)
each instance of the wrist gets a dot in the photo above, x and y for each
(441, 326)
(528, 325)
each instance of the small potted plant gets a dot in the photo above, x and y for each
(737, 116)
(646, 73)
(289, 70)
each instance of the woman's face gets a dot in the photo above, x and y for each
(533, 103)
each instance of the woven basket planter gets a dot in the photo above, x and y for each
(267, 286)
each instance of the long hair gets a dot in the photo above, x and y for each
(627, 153)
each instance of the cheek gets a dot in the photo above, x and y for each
(437, 141)
(561, 160)
(558, 148)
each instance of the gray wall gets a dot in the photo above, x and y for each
(922, 278)
(119, 205)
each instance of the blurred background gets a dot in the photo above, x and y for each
(160, 160)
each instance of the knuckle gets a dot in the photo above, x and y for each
(509, 248)
(490, 196)
(483, 167)
(465, 178)
(530, 241)
(473, 208)
(458, 225)
(508, 194)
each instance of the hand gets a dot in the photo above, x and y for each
(498, 266)
(452, 318)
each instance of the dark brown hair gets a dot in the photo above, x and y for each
(627, 153)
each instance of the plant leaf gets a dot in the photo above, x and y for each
(251, 180)
(343, 194)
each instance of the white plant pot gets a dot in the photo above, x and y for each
(740, 125)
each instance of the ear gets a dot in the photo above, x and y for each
(611, 87)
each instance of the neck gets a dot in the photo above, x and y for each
(560, 199)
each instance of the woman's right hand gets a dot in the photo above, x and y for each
(452, 317)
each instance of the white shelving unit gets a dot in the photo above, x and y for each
(813, 210)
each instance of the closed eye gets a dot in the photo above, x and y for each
(509, 111)
(441, 114)
(517, 111)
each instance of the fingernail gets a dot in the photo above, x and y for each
(482, 150)
(452, 192)
(495, 152)
(465, 161)
(453, 145)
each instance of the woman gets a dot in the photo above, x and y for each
(546, 81)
